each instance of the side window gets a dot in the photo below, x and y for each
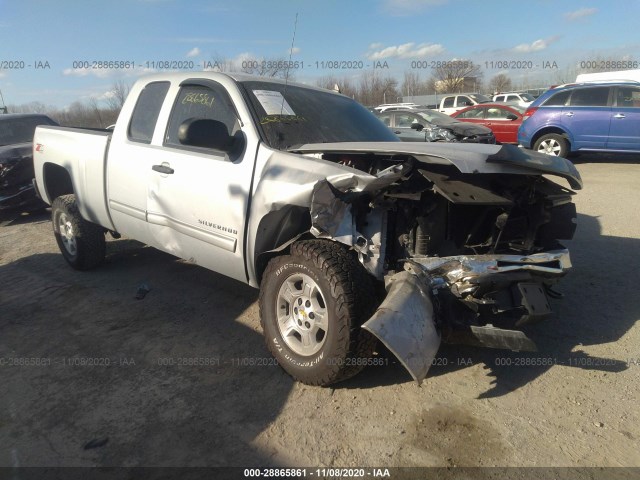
(558, 100)
(200, 102)
(473, 113)
(448, 102)
(386, 119)
(145, 114)
(404, 120)
(497, 113)
(590, 97)
(500, 98)
(628, 97)
(462, 101)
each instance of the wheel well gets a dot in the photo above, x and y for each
(57, 181)
(548, 130)
(275, 230)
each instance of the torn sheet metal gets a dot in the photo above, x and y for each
(460, 267)
(462, 192)
(492, 337)
(405, 323)
(331, 215)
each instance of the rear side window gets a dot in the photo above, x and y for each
(590, 97)
(628, 97)
(448, 102)
(558, 100)
(145, 113)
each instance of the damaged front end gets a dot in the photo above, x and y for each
(467, 241)
(16, 173)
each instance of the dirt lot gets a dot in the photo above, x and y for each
(577, 405)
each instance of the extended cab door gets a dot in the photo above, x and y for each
(130, 157)
(197, 195)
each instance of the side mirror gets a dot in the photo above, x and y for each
(207, 133)
(417, 126)
(511, 116)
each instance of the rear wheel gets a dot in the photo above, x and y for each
(82, 243)
(552, 144)
(312, 304)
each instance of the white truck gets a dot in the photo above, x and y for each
(305, 194)
(452, 103)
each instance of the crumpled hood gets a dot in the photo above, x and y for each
(467, 129)
(466, 157)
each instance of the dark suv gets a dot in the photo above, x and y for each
(584, 117)
(16, 160)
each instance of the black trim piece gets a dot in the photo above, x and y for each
(245, 240)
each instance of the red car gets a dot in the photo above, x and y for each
(503, 119)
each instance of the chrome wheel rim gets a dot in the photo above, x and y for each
(301, 312)
(67, 235)
(550, 147)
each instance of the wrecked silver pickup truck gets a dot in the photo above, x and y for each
(351, 235)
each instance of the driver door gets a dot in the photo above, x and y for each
(197, 197)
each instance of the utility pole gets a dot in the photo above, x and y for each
(3, 109)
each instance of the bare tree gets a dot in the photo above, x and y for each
(413, 85)
(500, 83)
(31, 107)
(344, 85)
(457, 76)
(119, 92)
(93, 105)
(374, 89)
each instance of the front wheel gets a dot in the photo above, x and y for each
(82, 243)
(552, 144)
(312, 304)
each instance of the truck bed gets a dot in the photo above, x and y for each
(83, 153)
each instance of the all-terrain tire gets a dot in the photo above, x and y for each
(81, 242)
(330, 280)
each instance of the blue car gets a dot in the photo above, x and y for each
(594, 116)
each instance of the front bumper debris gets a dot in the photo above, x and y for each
(407, 323)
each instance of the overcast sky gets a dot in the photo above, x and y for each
(362, 33)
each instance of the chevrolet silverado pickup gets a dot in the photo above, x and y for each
(351, 235)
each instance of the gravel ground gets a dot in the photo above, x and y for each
(114, 386)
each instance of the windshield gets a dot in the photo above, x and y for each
(435, 117)
(478, 97)
(527, 97)
(21, 129)
(290, 116)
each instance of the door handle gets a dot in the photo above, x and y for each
(569, 114)
(619, 115)
(397, 133)
(166, 169)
